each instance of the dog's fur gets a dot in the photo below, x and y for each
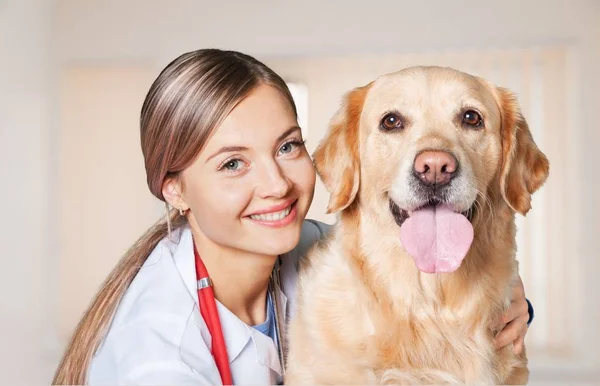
(364, 313)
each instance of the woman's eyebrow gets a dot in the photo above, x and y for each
(288, 132)
(226, 149)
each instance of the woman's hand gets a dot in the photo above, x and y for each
(514, 320)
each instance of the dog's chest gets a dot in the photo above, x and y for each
(440, 344)
(423, 335)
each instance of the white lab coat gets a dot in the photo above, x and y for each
(158, 335)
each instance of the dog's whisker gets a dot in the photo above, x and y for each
(485, 198)
(481, 200)
(491, 214)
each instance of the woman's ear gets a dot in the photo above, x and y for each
(337, 157)
(171, 189)
(524, 167)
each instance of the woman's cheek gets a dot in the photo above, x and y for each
(307, 174)
(225, 199)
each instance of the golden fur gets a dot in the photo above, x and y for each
(364, 313)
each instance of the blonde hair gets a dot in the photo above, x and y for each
(185, 104)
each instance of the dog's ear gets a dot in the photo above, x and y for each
(337, 156)
(524, 167)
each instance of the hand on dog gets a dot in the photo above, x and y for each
(514, 320)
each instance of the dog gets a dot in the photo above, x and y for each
(426, 168)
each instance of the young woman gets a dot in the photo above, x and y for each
(223, 149)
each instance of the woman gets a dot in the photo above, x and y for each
(222, 147)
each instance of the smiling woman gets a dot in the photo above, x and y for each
(222, 145)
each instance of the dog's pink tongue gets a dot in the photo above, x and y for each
(437, 238)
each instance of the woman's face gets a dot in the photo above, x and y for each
(253, 183)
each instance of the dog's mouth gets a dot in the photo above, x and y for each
(435, 235)
(401, 215)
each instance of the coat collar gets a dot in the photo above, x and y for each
(236, 333)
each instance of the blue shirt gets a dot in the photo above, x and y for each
(268, 327)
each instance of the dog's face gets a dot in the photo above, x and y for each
(428, 136)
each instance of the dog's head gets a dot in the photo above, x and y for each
(429, 136)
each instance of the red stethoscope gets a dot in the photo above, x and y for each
(210, 314)
(208, 310)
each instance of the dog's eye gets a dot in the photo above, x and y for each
(472, 118)
(391, 121)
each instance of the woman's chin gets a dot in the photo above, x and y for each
(278, 243)
(280, 246)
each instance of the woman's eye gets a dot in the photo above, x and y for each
(233, 165)
(289, 147)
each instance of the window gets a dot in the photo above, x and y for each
(300, 94)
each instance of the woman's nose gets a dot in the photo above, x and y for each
(274, 183)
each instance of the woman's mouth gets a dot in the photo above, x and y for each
(276, 218)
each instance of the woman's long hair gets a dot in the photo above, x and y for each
(185, 104)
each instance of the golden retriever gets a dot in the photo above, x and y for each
(426, 167)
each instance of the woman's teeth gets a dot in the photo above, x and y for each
(275, 216)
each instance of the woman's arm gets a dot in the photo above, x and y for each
(516, 320)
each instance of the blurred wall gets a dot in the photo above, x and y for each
(27, 165)
(104, 201)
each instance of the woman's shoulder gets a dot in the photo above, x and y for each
(160, 285)
(312, 232)
(314, 225)
(158, 313)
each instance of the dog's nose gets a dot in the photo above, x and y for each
(435, 167)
